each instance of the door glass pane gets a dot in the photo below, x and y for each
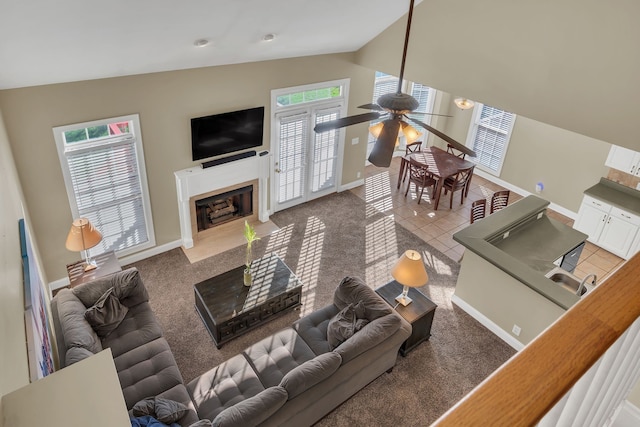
(325, 153)
(293, 139)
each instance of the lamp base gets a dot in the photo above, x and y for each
(90, 266)
(403, 299)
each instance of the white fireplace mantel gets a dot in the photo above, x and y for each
(197, 180)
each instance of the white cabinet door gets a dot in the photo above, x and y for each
(592, 218)
(617, 236)
(624, 160)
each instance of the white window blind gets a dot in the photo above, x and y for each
(293, 134)
(489, 136)
(106, 183)
(325, 152)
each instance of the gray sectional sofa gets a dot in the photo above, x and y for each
(293, 377)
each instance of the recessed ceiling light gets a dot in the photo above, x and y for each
(268, 37)
(201, 42)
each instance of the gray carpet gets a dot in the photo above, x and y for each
(323, 241)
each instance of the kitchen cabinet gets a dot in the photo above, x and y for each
(608, 226)
(624, 160)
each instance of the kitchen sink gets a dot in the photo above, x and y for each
(567, 280)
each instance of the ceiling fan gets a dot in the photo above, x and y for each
(394, 107)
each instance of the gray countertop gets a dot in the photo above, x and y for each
(534, 242)
(616, 194)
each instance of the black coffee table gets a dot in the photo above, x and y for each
(229, 309)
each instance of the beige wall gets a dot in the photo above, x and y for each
(165, 103)
(570, 64)
(14, 369)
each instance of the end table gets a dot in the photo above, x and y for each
(419, 313)
(107, 263)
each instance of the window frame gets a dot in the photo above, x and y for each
(473, 132)
(134, 132)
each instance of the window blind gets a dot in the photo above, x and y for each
(492, 133)
(105, 180)
(293, 130)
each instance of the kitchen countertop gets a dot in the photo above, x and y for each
(616, 194)
(534, 242)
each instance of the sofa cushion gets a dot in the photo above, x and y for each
(313, 328)
(127, 286)
(252, 411)
(138, 327)
(347, 322)
(351, 290)
(223, 386)
(77, 331)
(164, 410)
(368, 337)
(147, 370)
(278, 354)
(76, 354)
(310, 373)
(106, 314)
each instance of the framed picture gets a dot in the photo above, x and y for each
(38, 333)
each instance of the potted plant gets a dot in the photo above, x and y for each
(250, 236)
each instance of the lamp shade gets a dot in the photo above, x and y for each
(463, 103)
(409, 270)
(82, 235)
(410, 133)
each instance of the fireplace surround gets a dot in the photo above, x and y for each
(197, 183)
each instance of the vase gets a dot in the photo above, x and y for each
(247, 276)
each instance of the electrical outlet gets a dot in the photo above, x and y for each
(355, 141)
(505, 235)
(516, 330)
(358, 175)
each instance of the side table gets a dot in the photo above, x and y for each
(107, 263)
(419, 313)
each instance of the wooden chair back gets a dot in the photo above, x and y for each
(499, 200)
(452, 150)
(413, 147)
(459, 181)
(420, 176)
(478, 210)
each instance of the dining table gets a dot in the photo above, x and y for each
(441, 165)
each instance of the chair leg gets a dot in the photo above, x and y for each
(451, 200)
(407, 191)
(421, 191)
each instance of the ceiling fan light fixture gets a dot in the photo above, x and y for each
(376, 129)
(463, 103)
(410, 133)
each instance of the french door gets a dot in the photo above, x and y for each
(306, 163)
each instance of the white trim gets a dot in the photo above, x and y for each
(524, 193)
(350, 185)
(487, 323)
(628, 412)
(138, 256)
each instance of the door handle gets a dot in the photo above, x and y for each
(278, 170)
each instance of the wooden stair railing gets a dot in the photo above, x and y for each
(529, 384)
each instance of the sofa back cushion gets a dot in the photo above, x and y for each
(254, 410)
(352, 290)
(75, 328)
(310, 373)
(127, 286)
(368, 337)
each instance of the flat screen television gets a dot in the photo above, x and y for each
(227, 132)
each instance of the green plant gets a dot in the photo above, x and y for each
(250, 236)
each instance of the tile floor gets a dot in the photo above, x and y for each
(438, 227)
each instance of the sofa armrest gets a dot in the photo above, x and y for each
(371, 335)
(127, 286)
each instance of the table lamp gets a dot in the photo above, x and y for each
(409, 271)
(82, 237)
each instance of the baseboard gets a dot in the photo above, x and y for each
(627, 414)
(138, 256)
(524, 193)
(487, 323)
(350, 185)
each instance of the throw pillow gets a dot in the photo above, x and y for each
(353, 289)
(106, 314)
(164, 410)
(341, 326)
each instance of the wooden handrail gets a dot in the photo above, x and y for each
(529, 384)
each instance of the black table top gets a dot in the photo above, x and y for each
(420, 305)
(225, 295)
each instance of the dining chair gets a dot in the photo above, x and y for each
(419, 175)
(499, 200)
(478, 210)
(458, 182)
(410, 148)
(450, 150)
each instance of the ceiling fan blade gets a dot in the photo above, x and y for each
(385, 144)
(375, 107)
(455, 144)
(346, 121)
(439, 115)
